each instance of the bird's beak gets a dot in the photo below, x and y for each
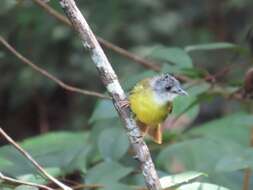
(181, 92)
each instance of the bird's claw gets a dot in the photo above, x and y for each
(124, 104)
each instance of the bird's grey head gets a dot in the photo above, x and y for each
(166, 88)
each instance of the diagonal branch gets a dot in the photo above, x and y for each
(110, 81)
(48, 75)
(13, 181)
(137, 59)
(28, 156)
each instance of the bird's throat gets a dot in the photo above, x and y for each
(163, 99)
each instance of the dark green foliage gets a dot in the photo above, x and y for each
(209, 145)
(116, 143)
(51, 150)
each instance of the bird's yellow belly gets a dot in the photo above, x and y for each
(147, 110)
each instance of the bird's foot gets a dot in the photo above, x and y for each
(124, 103)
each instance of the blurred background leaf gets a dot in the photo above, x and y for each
(202, 186)
(68, 151)
(208, 43)
(113, 143)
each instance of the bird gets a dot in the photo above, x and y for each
(151, 101)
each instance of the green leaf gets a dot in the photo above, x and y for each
(197, 89)
(36, 178)
(236, 161)
(64, 150)
(26, 187)
(4, 188)
(194, 154)
(178, 179)
(60, 33)
(7, 5)
(106, 173)
(193, 72)
(5, 162)
(210, 46)
(103, 110)
(2, 54)
(113, 143)
(176, 56)
(231, 180)
(187, 105)
(97, 128)
(201, 186)
(235, 126)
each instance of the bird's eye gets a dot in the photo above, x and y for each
(168, 88)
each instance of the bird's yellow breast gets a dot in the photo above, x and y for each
(144, 105)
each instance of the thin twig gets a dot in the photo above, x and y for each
(137, 59)
(75, 185)
(24, 153)
(246, 179)
(48, 75)
(82, 91)
(87, 186)
(247, 171)
(13, 181)
(110, 81)
(152, 65)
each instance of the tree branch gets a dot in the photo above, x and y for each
(152, 65)
(110, 81)
(48, 75)
(39, 168)
(137, 59)
(20, 182)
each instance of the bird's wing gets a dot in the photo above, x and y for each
(170, 107)
(140, 86)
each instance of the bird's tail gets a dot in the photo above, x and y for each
(155, 132)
